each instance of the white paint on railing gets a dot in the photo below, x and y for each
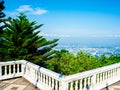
(48, 80)
(95, 79)
(10, 69)
(41, 77)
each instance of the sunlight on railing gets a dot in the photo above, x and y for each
(48, 80)
(10, 69)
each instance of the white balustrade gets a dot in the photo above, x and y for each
(10, 69)
(45, 79)
(41, 77)
(95, 79)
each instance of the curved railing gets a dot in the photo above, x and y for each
(48, 80)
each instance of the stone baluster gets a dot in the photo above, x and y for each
(116, 71)
(5, 69)
(56, 85)
(93, 81)
(18, 69)
(71, 86)
(43, 78)
(81, 85)
(23, 68)
(30, 71)
(13, 68)
(33, 72)
(112, 73)
(49, 81)
(9, 69)
(85, 84)
(52, 83)
(106, 75)
(76, 85)
(101, 78)
(89, 82)
(109, 74)
(36, 74)
(39, 76)
(97, 78)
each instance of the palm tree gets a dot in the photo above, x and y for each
(23, 41)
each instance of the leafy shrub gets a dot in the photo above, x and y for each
(67, 63)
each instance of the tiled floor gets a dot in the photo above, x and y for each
(115, 86)
(23, 84)
(17, 84)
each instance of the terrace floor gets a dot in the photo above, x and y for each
(23, 84)
(115, 86)
(17, 84)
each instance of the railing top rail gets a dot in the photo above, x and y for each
(10, 62)
(43, 70)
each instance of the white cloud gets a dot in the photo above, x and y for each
(110, 35)
(117, 35)
(29, 10)
(38, 11)
(54, 35)
(24, 8)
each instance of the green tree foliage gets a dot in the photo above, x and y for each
(109, 60)
(63, 62)
(23, 41)
(68, 63)
(2, 15)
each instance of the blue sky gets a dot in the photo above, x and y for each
(70, 18)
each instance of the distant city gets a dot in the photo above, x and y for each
(94, 46)
(94, 51)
